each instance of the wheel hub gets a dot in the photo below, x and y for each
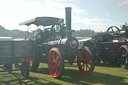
(85, 60)
(53, 63)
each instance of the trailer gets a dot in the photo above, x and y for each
(15, 52)
(55, 45)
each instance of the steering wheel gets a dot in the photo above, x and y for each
(113, 30)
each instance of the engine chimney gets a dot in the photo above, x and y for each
(68, 21)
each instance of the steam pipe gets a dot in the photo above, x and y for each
(68, 21)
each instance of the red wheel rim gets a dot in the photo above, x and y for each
(84, 61)
(30, 63)
(54, 63)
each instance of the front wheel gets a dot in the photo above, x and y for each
(55, 63)
(85, 61)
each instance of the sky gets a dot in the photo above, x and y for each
(96, 15)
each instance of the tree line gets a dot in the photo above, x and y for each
(21, 34)
(84, 33)
(12, 33)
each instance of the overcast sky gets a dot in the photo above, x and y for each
(97, 15)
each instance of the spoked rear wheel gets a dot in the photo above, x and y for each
(124, 57)
(55, 63)
(85, 61)
(95, 49)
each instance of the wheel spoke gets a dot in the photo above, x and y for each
(92, 48)
(53, 67)
(57, 58)
(58, 64)
(84, 54)
(112, 30)
(57, 61)
(56, 71)
(83, 66)
(124, 53)
(87, 66)
(53, 56)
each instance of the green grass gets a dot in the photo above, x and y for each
(102, 75)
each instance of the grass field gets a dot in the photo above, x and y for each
(102, 75)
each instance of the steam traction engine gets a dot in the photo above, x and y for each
(56, 44)
(111, 46)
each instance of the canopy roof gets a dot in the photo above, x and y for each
(45, 21)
